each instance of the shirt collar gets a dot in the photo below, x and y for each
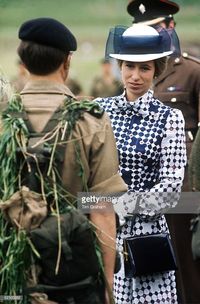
(47, 87)
(139, 106)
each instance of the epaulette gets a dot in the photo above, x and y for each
(96, 111)
(187, 56)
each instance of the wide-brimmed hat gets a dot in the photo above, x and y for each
(138, 43)
(151, 11)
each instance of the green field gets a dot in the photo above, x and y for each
(90, 21)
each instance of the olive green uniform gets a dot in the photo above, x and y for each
(74, 86)
(179, 87)
(94, 135)
(100, 88)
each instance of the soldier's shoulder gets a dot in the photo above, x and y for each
(189, 57)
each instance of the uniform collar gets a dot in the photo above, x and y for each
(171, 69)
(47, 87)
(175, 60)
(139, 106)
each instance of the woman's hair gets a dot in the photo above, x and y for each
(160, 65)
(40, 59)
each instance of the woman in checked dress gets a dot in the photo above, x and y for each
(150, 141)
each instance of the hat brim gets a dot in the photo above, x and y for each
(141, 57)
(152, 21)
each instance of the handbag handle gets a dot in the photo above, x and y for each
(135, 213)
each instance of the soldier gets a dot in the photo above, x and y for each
(178, 87)
(74, 86)
(106, 85)
(46, 49)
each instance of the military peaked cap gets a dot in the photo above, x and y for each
(49, 32)
(144, 10)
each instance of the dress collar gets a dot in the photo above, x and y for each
(139, 106)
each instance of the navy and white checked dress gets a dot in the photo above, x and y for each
(151, 144)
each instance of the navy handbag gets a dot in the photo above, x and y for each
(147, 254)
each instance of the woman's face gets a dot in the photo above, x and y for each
(137, 78)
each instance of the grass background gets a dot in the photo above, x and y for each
(90, 21)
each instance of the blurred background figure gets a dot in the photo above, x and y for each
(179, 87)
(19, 81)
(106, 85)
(74, 86)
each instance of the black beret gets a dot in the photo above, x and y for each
(49, 32)
(144, 10)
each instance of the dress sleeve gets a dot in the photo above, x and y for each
(172, 164)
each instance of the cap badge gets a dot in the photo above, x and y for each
(142, 8)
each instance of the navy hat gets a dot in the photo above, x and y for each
(138, 43)
(49, 32)
(145, 10)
